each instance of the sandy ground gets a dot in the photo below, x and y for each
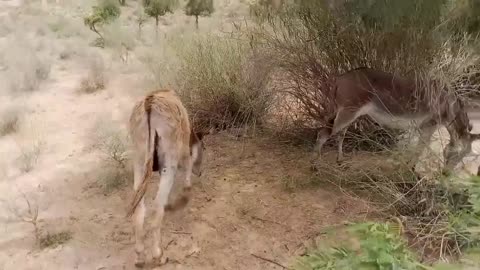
(241, 209)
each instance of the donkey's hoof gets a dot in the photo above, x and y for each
(139, 263)
(139, 259)
(159, 261)
(158, 258)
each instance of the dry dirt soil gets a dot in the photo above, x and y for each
(248, 206)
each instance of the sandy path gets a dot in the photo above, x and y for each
(63, 119)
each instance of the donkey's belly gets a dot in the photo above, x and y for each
(395, 121)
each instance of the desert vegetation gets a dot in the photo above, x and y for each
(261, 75)
(115, 167)
(10, 120)
(95, 79)
(103, 13)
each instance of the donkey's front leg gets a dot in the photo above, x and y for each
(452, 152)
(322, 137)
(426, 131)
(341, 138)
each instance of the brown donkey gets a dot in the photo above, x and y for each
(163, 141)
(394, 101)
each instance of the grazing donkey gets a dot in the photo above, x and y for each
(394, 101)
(163, 141)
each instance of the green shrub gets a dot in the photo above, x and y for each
(199, 8)
(158, 8)
(464, 218)
(105, 12)
(372, 246)
(391, 15)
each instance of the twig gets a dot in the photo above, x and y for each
(266, 220)
(31, 216)
(169, 243)
(269, 260)
(180, 232)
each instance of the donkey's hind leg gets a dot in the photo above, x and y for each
(342, 120)
(167, 177)
(139, 215)
(426, 131)
(341, 138)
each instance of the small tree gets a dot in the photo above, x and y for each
(122, 2)
(199, 8)
(105, 12)
(157, 8)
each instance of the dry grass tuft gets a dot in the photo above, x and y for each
(27, 213)
(113, 178)
(26, 67)
(223, 82)
(29, 154)
(112, 142)
(113, 145)
(10, 120)
(96, 78)
(51, 240)
(30, 142)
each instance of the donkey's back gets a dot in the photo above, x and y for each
(380, 91)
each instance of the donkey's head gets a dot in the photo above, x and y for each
(196, 151)
(461, 143)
